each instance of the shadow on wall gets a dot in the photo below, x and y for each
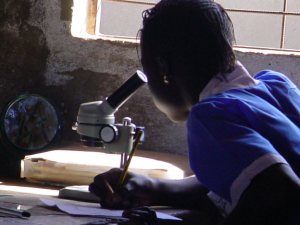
(23, 50)
(23, 57)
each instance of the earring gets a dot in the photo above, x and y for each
(166, 81)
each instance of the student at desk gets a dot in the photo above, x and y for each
(243, 131)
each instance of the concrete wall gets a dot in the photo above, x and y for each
(39, 55)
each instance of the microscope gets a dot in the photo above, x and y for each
(96, 121)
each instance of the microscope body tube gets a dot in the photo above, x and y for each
(123, 93)
(102, 112)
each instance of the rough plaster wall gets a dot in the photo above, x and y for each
(287, 64)
(70, 70)
(23, 50)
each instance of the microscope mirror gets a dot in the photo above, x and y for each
(28, 124)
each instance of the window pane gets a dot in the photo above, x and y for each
(120, 18)
(292, 34)
(271, 5)
(262, 30)
(293, 6)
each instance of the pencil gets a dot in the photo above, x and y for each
(14, 212)
(125, 170)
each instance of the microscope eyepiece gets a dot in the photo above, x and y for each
(127, 89)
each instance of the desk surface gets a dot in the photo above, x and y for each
(42, 215)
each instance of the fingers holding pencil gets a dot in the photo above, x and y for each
(118, 188)
(137, 190)
(103, 187)
(109, 197)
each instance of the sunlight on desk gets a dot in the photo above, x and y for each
(69, 167)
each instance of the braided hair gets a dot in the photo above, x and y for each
(196, 31)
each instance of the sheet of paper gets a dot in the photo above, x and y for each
(76, 210)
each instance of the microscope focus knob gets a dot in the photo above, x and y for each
(108, 133)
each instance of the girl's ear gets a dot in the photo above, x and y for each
(163, 67)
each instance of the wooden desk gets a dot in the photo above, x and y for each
(42, 215)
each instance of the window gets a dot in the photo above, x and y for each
(265, 24)
(118, 19)
(121, 18)
(269, 24)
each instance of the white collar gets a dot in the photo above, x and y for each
(238, 78)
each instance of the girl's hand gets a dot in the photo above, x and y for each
(137, 190)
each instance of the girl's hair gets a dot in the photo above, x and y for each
(194, 31)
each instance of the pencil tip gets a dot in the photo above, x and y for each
(26, 214)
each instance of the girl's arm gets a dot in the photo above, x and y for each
(271, 199)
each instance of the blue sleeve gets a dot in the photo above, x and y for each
(270, 75)
(225, 153)
(286, 93)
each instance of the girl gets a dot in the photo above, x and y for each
(243, 131)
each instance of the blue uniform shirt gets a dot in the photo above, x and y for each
(236, 134)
